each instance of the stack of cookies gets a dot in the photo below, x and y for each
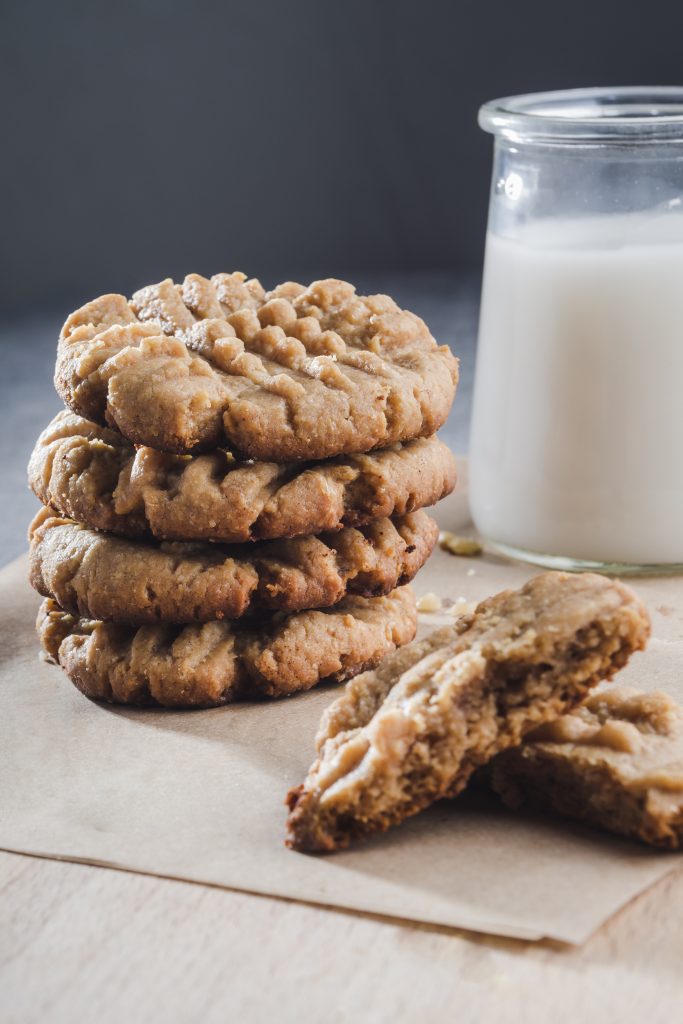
(233, 498)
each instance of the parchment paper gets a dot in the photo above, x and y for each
(199, 795)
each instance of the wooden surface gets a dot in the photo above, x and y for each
(81, 943)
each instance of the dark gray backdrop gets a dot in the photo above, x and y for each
(150, 138)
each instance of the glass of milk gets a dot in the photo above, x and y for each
(577, 429)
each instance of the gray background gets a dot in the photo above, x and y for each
(293, 139)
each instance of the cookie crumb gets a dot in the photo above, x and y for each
(429, 603)
(461, 607)
(457, 545)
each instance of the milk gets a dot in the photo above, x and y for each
(577, 432)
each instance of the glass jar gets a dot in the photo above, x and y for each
(577, 430)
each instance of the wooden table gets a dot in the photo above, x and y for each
(80, 943)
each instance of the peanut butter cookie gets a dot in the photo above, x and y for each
(415, 729)
(99, 576)
(93, 475)
(207, 665)
(295, 373)
(616, 761)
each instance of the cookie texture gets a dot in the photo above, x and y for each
(416, 729)
(294, 373)
(90, 473)
(99, 576)
(202, 666)
(616, 762)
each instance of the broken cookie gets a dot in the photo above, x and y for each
(415, 729)
(616, 762)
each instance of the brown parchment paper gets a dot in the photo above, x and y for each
(199, 795)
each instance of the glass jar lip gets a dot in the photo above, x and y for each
(625, 114)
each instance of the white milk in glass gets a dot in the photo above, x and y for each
(577, 434)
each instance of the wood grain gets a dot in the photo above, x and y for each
(80, 943)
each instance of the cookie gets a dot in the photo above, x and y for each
(616, 762)
(295, 373)
(416, 728)
(99, 576)
(207, 665)
(93, 475)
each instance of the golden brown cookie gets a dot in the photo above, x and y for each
(416, 728)
(295, 373)
(207, 665)
(616, 762)
(93, 475)
(99, 576)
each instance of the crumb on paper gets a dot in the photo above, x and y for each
(429, 603)
(461, 607)
(471, 572)
(433, 603)
(457, 545)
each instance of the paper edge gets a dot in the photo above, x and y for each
(492, 929)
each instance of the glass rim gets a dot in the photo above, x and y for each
(624, 114)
